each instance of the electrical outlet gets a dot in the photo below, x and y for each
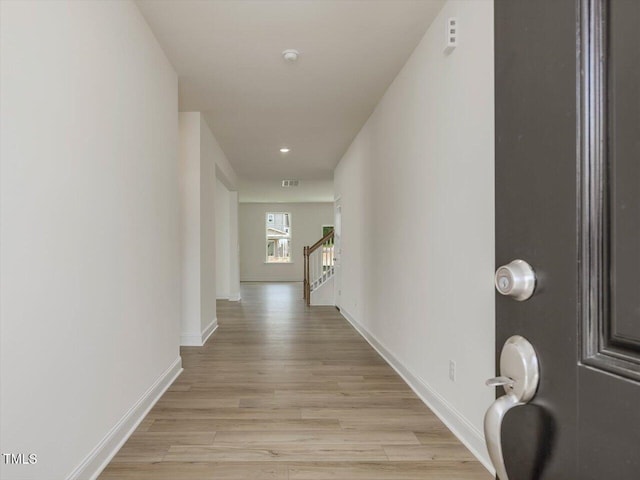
(452, 370)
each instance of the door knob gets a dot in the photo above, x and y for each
(516, 279)
(520, 375)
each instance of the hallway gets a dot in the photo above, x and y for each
(282, 391)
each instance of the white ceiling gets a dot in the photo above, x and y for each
(228, 57)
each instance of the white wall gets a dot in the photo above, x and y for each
(89, 245)
(227, 247)
(203, 164)
(223, 240)
(416, 188)
(191, 318)
(211, 155)
(306, 225)
(234, 248)
(271, 191)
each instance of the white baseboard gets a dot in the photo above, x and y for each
(208, 331)
(230, 298)
(272, 278)
(101, 455)
(470, 436)
(222, 297)
(198, 339)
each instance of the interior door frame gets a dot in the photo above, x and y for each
(337, 250)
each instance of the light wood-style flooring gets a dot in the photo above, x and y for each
(288, 392)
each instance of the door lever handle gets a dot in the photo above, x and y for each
(520, 377)
(492, 426)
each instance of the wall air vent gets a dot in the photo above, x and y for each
(289, 183)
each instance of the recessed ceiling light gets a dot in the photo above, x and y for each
(285, 150)
(291, 55)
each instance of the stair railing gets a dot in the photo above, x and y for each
(319, 263)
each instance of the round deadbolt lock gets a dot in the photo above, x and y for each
(516, 279)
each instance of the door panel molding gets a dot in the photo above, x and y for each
(604, 346)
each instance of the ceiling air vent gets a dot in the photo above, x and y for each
(289, 183)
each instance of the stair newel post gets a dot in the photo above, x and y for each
(305, 286)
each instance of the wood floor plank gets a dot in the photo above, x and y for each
(388, 471)
(330, 401)
(277, 453)
(230, 414)
(404, 422)
(171, 438)
(196, 471)
(243, 425)
(444, 451)
(336, 437)
(436, 434)
(355, 413)
(286, 392)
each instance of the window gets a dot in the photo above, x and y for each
(278, 227)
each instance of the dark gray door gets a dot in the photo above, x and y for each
(568, 203)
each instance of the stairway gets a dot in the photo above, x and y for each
(319, 270)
